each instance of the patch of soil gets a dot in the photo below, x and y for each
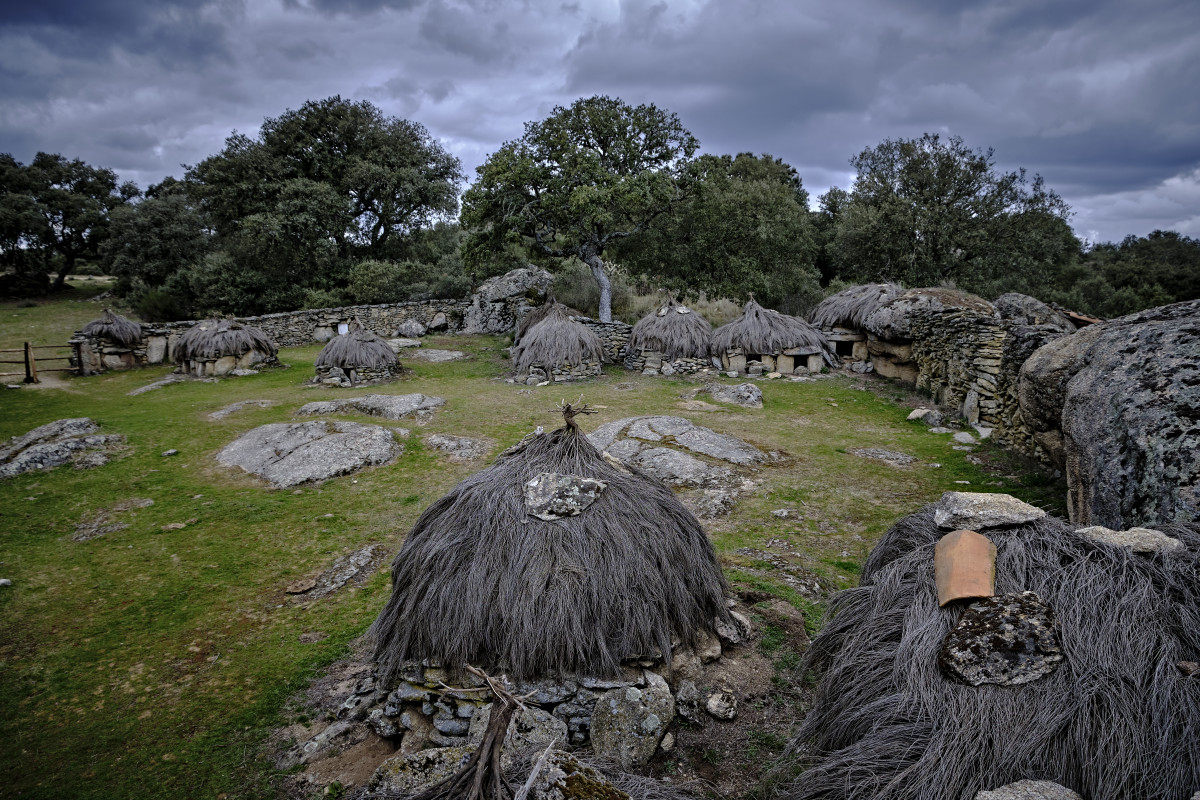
(100, 523)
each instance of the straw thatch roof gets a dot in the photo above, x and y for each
(115, 328)
(535, 315)
(673, 329)
(556, 340)
(850, 308)
(355, 349)
(211, 339)
(481, 581)
(764, 332)
(1118, 718)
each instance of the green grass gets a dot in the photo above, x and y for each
(152, 663)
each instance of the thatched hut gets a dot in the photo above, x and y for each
(538, 313)
(218, 347)
(672, 339)
(842, 317)
(108, 343)
(355, 357)
(557, 349)
(763, 341)
(552, 562)
(1118, 718)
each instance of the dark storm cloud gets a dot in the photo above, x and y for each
(1098, 96)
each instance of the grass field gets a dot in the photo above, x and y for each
(153, 663)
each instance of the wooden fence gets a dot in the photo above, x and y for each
(32, 362)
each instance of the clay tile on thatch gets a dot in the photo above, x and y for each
(480, 580)
(674, 330)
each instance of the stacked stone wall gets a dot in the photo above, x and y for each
(614, 336)
(653, 362)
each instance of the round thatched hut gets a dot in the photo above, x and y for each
(538, 313)
(110, 342)
(1117, 715)
(355, 357)
(218, 347)
(671, 339)
(763, 341)
(842, 317)
(552, 562)
(557, 348)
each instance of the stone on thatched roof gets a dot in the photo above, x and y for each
(764, 332)
(674, 330)
(356, 349)
(115, 328)
(211, 339)
(850, 308)
(555, 341)
(618, 570)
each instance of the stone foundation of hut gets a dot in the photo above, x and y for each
(561, 373)
(652, 362)
(91, 355)
(225, 365)
(794, 361)
(360, 376)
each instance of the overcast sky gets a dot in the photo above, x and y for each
(1101, 98)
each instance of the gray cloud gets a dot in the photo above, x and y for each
(1097, 96)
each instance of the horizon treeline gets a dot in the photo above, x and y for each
(336, 203)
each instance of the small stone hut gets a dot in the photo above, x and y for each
(842, 317)
(110, 342)
(671, 339)
(219, 347)
(356, 357)
(538, 313)
(890, 327)
(762, 341)
(557, 348)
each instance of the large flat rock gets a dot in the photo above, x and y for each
(290, 453)
(681, 432)
(975, 511)
(388, 406)
(76, 440)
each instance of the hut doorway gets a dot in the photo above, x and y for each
(845, 349)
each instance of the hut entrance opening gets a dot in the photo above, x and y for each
(845, 349)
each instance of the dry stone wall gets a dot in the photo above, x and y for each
(613, 335)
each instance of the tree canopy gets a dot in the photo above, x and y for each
(930, 210)
(741, 226)
(585, 177)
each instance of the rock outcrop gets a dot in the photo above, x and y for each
(388, 406)
(1116, 406)
(77, 440)
(1025, 310)
(287, 454)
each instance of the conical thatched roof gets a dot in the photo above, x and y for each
(211, 339)
(482, 581)
(1118, 717)
(535, 315)
(850, 308)
(673, 329)
(555, 341)
(355, 349)
(763, 331)
(115, 328)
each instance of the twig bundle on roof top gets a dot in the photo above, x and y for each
(480, 581)
(850, 308)
(115, 328)
(763, 331)
(674, 330)
(1117, 719)
(211, 339)
(357, 348)
(555, 341)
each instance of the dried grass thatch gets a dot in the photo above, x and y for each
(1117, 719)
(211, 339)
(357, 348)
(535, 315)
(555, 341)
(762, 331)
(850, 308)
(674, 330)
(115, 328)
(479, 581)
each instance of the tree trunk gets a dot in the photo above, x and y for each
(593, 261)
(68, 265)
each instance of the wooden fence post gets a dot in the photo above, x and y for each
(31, 375)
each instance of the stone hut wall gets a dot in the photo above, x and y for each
(614, 336)
(653, 362)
